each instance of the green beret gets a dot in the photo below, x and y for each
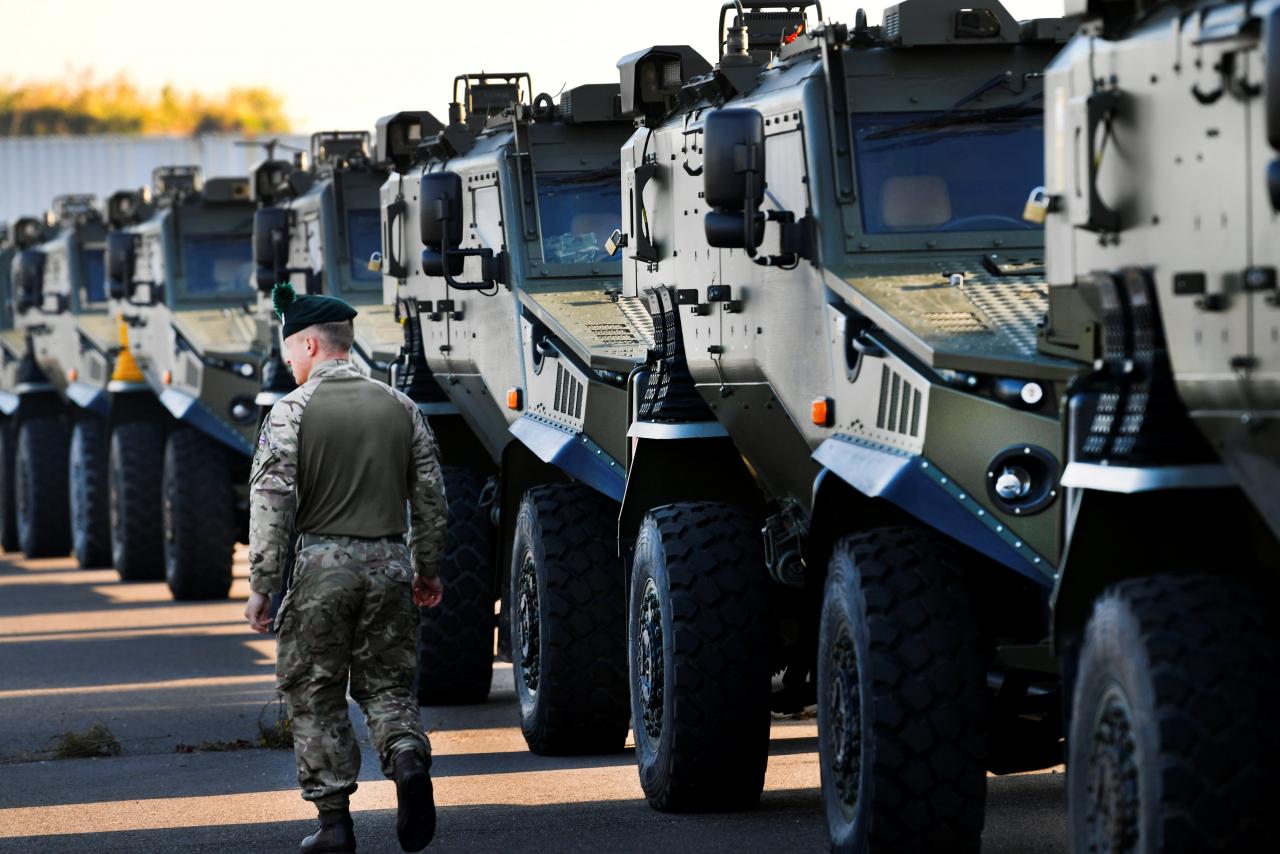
(299, 312)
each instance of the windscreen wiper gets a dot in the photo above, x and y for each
(994, 115)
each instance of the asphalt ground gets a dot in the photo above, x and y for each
(79, 648)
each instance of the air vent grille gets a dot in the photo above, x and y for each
(568, 400)
(900, 404)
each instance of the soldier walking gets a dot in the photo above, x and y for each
(338, 460)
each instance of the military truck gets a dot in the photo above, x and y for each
(1162, 212)
(515, 306)
(11, 350)
(828, 228)
(318, 227)
(57, 420)
(6, 293)
(183, 410)
(456, 643)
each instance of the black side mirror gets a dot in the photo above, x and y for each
(440, 222)
(734, 178)
(28, 278)
(270, 246)
(121, 260)
(440, 227)
(1271, 86)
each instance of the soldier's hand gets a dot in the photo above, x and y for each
(427, 591)
(258, 612)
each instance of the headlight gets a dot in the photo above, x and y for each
(1022, 480)
(243, 410)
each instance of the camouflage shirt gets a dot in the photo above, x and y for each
(274, 482)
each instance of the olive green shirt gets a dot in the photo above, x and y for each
(344, 455)
(354, 450)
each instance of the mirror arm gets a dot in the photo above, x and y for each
(484, 254)
(486, 276)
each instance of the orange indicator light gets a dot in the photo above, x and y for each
(515, 399)
(821, 411)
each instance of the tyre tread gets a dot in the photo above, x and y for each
(198, 549)
(1212, 649)
(929, 784)
(43, 443)
(455, 639)
(720, 740)
(583, 683)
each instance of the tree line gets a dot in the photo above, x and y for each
(83, 105)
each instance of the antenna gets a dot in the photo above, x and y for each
(270, 145)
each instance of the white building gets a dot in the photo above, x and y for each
(35, 169)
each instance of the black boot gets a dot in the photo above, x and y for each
(337, 834)
(416, 816)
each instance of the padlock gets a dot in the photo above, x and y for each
(1038, 205)
(375, 262)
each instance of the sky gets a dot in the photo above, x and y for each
(341, 65)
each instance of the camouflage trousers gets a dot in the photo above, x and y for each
(348, 617)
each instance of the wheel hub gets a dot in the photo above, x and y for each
(649, 664)
(1113, 825)
(527, 622)
(843, 708)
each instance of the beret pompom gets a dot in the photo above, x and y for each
(282, 296)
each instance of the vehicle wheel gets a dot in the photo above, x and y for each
(89, 494)
(901, 698)
(699, 653)
(135, 462)
(568, 622)
(40, 488)
(199, 516)
(8, 501)
(455, 639)
(1172, 745)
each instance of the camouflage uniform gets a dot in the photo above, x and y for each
(349, 612)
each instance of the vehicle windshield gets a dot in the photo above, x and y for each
(579, 210)
(364, 237)
(93, 267)
(935, 172)
(217, 266)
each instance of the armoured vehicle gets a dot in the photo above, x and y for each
(828, 228)
(1162, 168)
(183, 411)
(318, 227)
(457, 638)
(6, 294)
(11, 350)
(494, 253)
(57, 420)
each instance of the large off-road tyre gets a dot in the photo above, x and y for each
(568, 622)
(135, 463)
(199, 516)
(8, 501)
(90, 493)
(40, 487)
(901, 697)
(455, 639)
(698, 638)
(1173, 744)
